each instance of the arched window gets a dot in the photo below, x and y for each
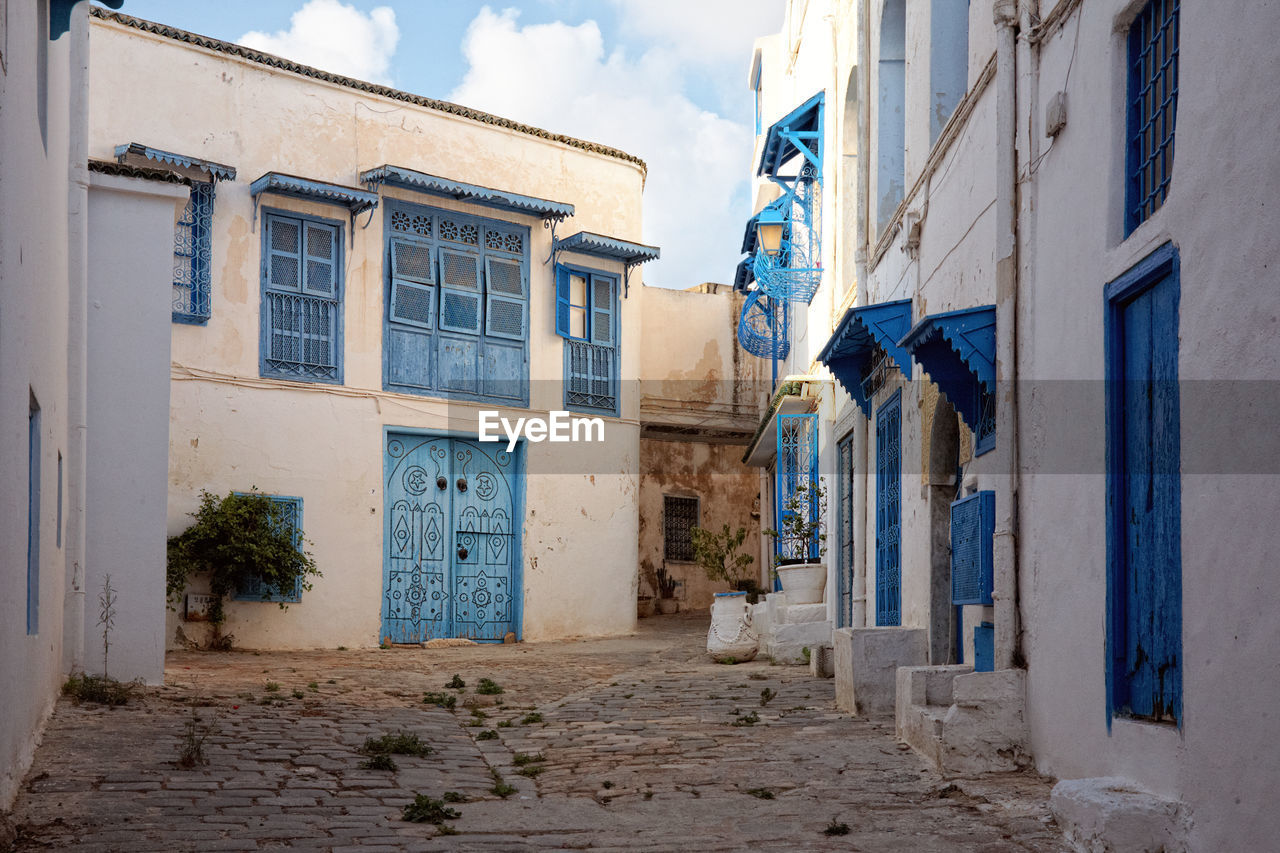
(890, 121)
(948, 60)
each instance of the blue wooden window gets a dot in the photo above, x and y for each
(1144, 491)
(973, 528)
(301, 298)
(679, 517)
(1152, 109)
(586, 316)
(889, 511)
(33, 516)
(844, 578)
(193, 256)
(948, 60)
(457, 320)
(291, 517)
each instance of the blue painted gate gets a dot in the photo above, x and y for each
(450, 547)
(889, 511)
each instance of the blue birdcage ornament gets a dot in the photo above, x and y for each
(762, 327)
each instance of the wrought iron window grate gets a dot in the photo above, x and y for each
(1153, 106)
(985, 434)
(192, 256)
(679, 517)
(590, 380)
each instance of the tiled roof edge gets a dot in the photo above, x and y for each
(110, 167)
(360, 85)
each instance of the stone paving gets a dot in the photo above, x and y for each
(635, 743)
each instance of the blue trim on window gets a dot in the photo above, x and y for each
(586, 387)
(304, 300)
(193, 257)
(1151, 115)
(422, 358)
(254, 590)
(1159, 269)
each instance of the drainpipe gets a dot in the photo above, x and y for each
(862, 455)
(1013, 70)
(77, 342)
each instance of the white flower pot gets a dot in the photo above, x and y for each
(803, 583)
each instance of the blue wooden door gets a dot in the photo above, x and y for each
(1146, 549)
(889, 511)
(449, 540)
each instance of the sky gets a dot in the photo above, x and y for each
(665, 80)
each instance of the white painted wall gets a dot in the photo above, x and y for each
(131, 243)
(232, 430)
(37, 199)
(1222, 764)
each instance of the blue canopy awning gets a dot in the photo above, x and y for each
(803, 124)
(357, 201)
(589, 243)
(861, 333)
(445, 188)
(958, 351)
(217, 171)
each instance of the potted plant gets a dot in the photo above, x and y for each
(802, 545)
(718, 555)
(667, 603)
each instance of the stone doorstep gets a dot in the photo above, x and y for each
(866, 663)
(794, 614)
(788, 642)
(983, 728)
(1112, 814)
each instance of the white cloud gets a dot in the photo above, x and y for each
(561, 77)
(704, 31)
(337, 38)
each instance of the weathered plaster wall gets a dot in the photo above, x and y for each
(37, 205)
(231, 429)
(131, 242)
(1222, 763)
(728, 493)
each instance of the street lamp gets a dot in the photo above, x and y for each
(769, 225)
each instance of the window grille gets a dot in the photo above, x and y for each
(972, 544)
(585, 309)
(301, 301)
(589, 380)
(192, 256)
(679, 517)
(985, 434)
(1153, 106)
(291, 519)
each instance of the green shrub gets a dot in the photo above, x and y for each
(423, 809)
(99, 689)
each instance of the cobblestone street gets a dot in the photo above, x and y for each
(636, 743)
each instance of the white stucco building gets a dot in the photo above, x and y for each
(1019, 233)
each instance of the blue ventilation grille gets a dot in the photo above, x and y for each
(762, 327)
(504, 318)
(1153, 107)
(413, 261)
(412, 303)
(459, 312)
(972, 548)
(504, 276)
(458, 270)
(193, 256)
(589, 376)
(291, 518)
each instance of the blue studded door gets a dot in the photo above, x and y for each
(889, 511)
(449, 540)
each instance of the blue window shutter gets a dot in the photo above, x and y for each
(972, 548)
(284, 262)
(602, 301)
(562, 302)
(301, 299)
(460, 292)
(321, 250)
(504, 315)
